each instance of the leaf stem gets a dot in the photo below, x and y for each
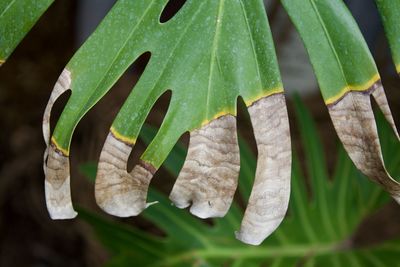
(251, 252)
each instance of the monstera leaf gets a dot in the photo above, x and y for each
(207, 55)
(16, 19)
(202, 57)
(317, 232)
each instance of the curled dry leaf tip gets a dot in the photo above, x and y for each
(209, 176)
(269, 198)
(380, 98)
(118, 192)
(354, 121)
(56, 162)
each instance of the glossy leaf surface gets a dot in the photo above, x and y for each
(341, 59)
(200, 55)
(16, 19)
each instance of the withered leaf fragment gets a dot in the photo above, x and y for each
(118, 192)
(354, 121)
(208, 179)
(269, 198)
(56, 161)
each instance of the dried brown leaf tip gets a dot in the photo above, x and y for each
(56, 162)
(57, 185)
(207, 181)
(118, 192)
(354, 122)
(269, 198)
(209, 176)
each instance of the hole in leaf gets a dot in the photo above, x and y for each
(173, 165)
(150, 128)
(248, 153)
(94, 127)
(92, 131)
(58, 108)
(170, 10)
(123, 87)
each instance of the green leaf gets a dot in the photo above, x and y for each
(204, 78)
(347, 76)
(304, 240)
(341, 59)
(390, 14)
(17, 17)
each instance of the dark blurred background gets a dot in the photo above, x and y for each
(27, 235)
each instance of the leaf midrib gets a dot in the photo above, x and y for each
(251, 252)
(328, 37)
(214, 53)
(252, 43)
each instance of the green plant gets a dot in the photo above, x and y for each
(317, 232)
(209, 54)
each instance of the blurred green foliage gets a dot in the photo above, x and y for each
(318, 229)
